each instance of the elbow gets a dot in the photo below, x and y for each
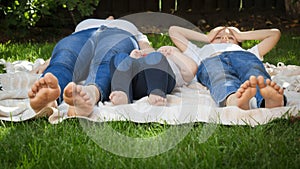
(175, 34)
(277, 32)
(188, 79)
(188, 74)
(173, 30)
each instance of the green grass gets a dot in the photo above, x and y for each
(25, 51)
(38, 144)
(286, 51)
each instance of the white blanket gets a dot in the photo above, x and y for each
(186, 104)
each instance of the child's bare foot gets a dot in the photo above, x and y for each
(44, 92)
(81, 99)
(271, 92)
(246, 91)
(157, 100)
(118, 97)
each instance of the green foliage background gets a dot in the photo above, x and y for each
(25, 14)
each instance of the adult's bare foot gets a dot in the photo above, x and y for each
(157, 100)
(81, 99)
(271, 92)
(246, 91)
(118, 97)
(44, 92)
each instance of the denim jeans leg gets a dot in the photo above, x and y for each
(109, 42)
(121, 70)
(65, 55)
(217, 75)
(247, 64)
(159, 76)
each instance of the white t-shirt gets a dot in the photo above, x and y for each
(198, 54)
(116, 23)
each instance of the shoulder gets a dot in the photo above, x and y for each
(255, 51)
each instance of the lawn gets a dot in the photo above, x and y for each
(38, 144)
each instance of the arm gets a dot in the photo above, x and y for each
(146, 47)
(186, 65)
(181, 36)
(268, 38)
(213, 33)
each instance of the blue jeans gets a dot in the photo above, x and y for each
(223, 74)
(85, 56)
(140, 77)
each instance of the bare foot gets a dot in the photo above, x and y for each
(118, 97)
(271, 92)
(81, 99)
(157, 100)
(44, 92)
(246, 91)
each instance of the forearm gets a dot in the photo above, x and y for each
(186, 65)
(260, 34)
(146, 47)
(180, 36)
(268, 38)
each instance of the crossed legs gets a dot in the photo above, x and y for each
(270, 91)
(134, 78)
